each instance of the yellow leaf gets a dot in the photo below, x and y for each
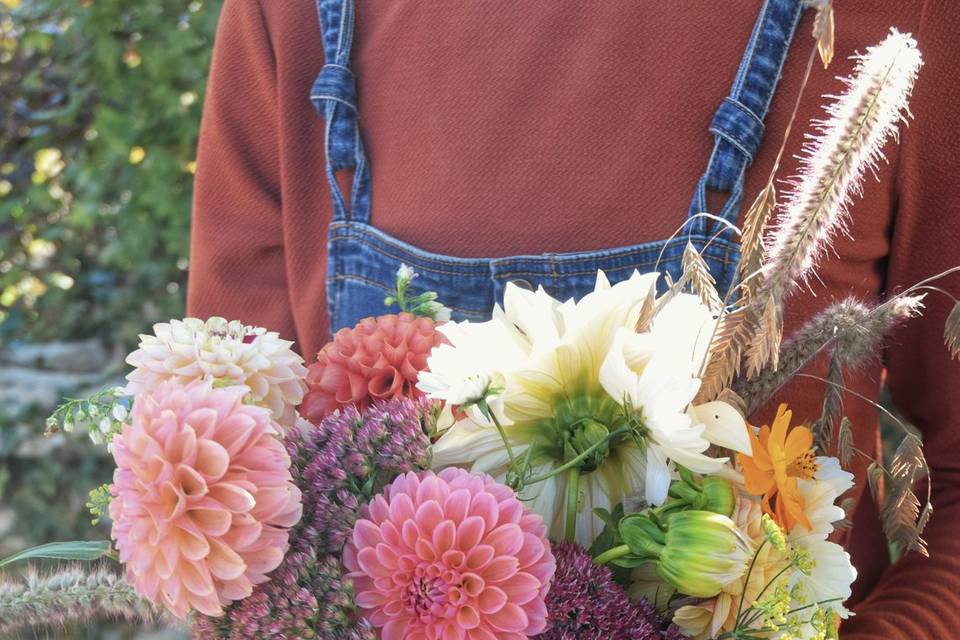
(137, 154)
(47, 163)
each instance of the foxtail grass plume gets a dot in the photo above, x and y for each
(69, 595)
(854, 329)
(847, 143)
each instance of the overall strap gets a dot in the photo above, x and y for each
(334, 94)
(737, 125)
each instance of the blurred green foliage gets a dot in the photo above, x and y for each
(99, 113)
(100, 106)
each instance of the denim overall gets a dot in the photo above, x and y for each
(363, 261)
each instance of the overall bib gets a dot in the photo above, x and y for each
(363, 261)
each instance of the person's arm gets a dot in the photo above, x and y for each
(237, 265)
(920, 597)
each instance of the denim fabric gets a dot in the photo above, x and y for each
(363, 261)
(738, 123)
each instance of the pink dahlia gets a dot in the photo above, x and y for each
(453, 556)
(202, 496)
(379, 359)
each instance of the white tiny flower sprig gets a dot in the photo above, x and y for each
(102, 415)
(423, 304)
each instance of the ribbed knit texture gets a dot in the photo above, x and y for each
(500, 128)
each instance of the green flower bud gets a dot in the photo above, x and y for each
(585, 435)
(716, 495)
(709, 494)
(644, 536)
(703, 552)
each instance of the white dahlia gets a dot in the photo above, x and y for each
(226, 352)
(566, 375)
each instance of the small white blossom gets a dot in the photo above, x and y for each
(119, 412)
(406, 273)
(106, 425)
(440, 313)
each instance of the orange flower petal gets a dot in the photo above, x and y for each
(780, 424)
(799, 441)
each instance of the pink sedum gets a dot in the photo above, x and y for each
(453, 556)
(203, 497)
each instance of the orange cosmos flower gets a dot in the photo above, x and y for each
(781, 456)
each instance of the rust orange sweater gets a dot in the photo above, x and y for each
(499, 128)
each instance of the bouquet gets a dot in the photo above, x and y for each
(568, 469)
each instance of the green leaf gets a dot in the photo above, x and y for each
(610, 536)
(608, 539)
(78, 550)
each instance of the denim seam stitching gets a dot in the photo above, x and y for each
(346, 234)
(746, 111)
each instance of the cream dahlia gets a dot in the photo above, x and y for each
(379, 359)
(227, 352)
(202, 496)
(453, 555)
(572, 374)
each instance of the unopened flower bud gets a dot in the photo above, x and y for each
(587, 434)
(703, 552)
(716, 495)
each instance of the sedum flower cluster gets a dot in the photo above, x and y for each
(338, 465)
(586, 603)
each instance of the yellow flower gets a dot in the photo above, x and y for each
(781, 457)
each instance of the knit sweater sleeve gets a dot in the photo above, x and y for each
(237, 265)
(920, 597)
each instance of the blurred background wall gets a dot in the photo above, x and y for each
(100, 104)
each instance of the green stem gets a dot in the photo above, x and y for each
(503, 434)
(670, 507)
(764, 590)
(612, 554)
(580, 458)
(746, 582)
(573, 501)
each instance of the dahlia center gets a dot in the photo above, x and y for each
(581, 425)
(436, 591)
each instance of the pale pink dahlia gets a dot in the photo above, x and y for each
(202, 496)
(228, 352)
(379, 359)
(453, 556)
